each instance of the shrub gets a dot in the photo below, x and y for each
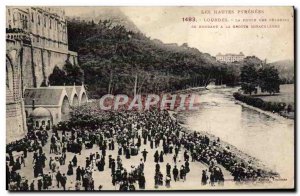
(259, 103)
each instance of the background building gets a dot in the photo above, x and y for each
(229, 58)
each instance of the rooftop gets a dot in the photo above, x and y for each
(230, 54)
(43, 95)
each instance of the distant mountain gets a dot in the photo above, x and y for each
(284, 63)
(286, 70)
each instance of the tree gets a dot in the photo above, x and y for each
(69, 75)
(249, 78)
(269, 80)
(58, 77)
(74, 74)
(113, 58)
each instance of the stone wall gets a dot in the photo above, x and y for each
(15, 114)
(38, 64)
(15, 122)
(27, 66)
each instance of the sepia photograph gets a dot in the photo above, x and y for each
(144, 98)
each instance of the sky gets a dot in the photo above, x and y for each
(167, 25)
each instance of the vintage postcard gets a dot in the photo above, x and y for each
(150, 98)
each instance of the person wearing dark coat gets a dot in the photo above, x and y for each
(186, 156)
(35, 170)
(82, 172)
(141, 181)
(113, 166)
(139, 142)
(91, 157)
(101, 164)
(103, 151)
(175, 159)
(204, 178)
(157, 167)
(168, 169)
(43, 159)
(182, 173)
(87, 162)
(187, 167)
(144, 152)
(151, 144)
(11, 159)
(35, 157)
(109, 146)
(32, 186)
(127, 153)
(120, 151)
(78, 173)
(58, 178)
(70, 169)
(109, 161)
(112, 145)
(176, 151)
(25, 152)
(156, 157)
(64, 181)
(175, 173)
(40, 184)
(161, 156)
(97, 155)
(113, 178)
(74, 161)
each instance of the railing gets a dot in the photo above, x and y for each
(17, 34)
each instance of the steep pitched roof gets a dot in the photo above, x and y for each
(69, 90)
(43, 95)
(78, 89)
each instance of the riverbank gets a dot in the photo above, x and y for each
(241, 157)
(266, 107)
(271, 114)
(191, 90)
(254, 133)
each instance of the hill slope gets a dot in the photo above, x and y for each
(285, 69)
(114, 58)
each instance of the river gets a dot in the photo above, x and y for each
(269, 139)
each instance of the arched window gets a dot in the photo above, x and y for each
(25, 22)
(83, 99)
(14, 20)
(9, 75)
(65, 109)
(75, 101)
(36, 123)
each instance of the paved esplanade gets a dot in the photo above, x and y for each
(193, 178)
